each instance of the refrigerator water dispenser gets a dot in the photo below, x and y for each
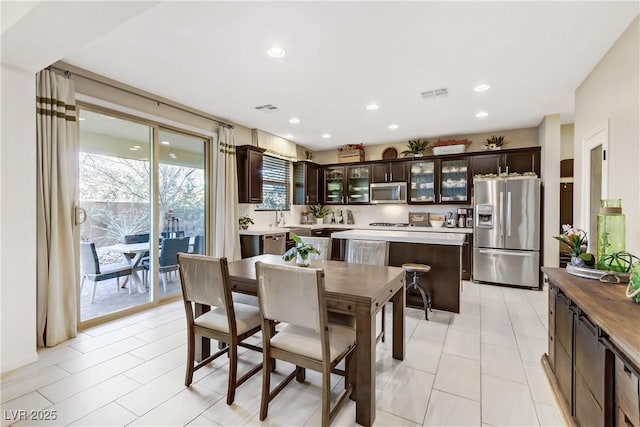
(484, 216)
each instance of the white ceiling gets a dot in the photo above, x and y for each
(343, 55)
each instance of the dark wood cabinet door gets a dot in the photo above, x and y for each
(255, 177)
(312, 187)
(249, 167)
(566, 204)
(379, 172)
(334, 185)
(485, 163)
(398, 171)
(521, 162)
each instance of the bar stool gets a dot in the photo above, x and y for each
(415, 269)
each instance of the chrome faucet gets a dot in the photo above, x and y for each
(278, 218)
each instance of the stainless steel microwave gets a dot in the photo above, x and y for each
(388, 192)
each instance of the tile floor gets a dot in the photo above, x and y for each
(481, 367)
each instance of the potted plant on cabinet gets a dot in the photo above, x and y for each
(494, 143)
(244, 222)
(300, 251)
(416, 148)
(319, 211)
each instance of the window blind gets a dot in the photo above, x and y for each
(276, 175)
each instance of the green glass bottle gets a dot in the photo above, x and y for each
(611, 228)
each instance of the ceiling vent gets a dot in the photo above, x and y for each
(267, 108)
(436, 93)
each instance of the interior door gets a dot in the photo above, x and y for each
(522, 214)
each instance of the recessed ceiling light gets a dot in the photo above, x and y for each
(134, 149)
(326, 135)
(165, 143)
(294, 120)
(393, 126)
(136, 146)
(288, 136)
(481, 87)
(373, 106)
(107, 117)
(82, 118)
(482, 114)
(276, 52)
(173, 156)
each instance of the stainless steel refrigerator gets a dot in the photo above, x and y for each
(506, 231)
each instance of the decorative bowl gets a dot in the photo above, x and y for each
(436, 223)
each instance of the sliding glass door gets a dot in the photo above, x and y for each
(121, 165)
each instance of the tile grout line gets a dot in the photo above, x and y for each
(426, 411)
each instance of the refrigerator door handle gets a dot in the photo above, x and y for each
(501, 214)
(509, 213)
(510, 253)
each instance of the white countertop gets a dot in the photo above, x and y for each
(263, 231)
(453, 239)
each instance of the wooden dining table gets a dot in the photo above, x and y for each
(358, 290)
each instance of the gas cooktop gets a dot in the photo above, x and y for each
(389, 224)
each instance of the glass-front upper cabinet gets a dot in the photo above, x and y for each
(334, 185)
(454, 181)
(358, 178)
(422, 182)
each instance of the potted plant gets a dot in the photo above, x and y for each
(494, 143)
(244, 222)
(300, 251)
(416, 148)
(319, 211)
(575, 239)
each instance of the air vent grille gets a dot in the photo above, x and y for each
(267, 108)
(435, 93)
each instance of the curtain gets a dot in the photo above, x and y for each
(57, 183)
(227, 237)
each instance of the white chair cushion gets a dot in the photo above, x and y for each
(247, 317)
(306, 342)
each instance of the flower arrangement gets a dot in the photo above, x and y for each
(416, 147)
(574, 238)
(301, 251)
(350, 147)
(494, 143)
(244, 222)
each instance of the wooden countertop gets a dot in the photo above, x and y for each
(607, 306)
(452, 239)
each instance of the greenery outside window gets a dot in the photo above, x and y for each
(276, 175)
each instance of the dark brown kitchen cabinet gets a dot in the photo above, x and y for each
(389, 171)
(519, 160)
(563, 326)
(333, 187)
(467, 257)
(454, 186)
(249, 164)
(306, 181)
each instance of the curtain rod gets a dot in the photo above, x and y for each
(68, 73)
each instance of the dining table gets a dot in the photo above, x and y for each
(357, 290)
(138, 250)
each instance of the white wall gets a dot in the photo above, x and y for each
(17, 220)
(611, 92)
(549, 134)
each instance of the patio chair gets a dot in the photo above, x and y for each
(168, 258)
(93, 271)
(198, 245)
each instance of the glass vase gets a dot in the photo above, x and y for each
(302, 261)
(610, 228)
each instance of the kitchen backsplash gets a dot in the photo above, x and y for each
(362, 214)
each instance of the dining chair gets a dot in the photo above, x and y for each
(198, 245)
(306, 338)
(168, 260)
(205, 280)
(93, 271)
(322, 244)
(370, 252)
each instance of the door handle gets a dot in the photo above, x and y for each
(391, 175)
(80, 216)
(385, 176)
(509, 213)
(501, 214)
(307, 199)
(510, 253)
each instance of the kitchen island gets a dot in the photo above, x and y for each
(442, 251)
